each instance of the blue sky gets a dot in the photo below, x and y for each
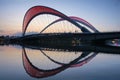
(103, 14)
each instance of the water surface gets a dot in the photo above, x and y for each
(101, 66)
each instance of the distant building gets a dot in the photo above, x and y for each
(2, 40)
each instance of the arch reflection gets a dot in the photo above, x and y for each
(76, 59)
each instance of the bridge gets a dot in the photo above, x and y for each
(69, 30)
(38, 72)
(82, 36)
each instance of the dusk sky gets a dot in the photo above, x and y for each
(103, 14)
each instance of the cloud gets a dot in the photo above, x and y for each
(20, 33)
(1, 31)
(17, 34)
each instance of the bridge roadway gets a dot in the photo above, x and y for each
(66, 39)
(83, 36)
(49, 41)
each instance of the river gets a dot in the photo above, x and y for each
(19, 63)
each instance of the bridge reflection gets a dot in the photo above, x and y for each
(77, 59)
(91, 48)
(42, 62)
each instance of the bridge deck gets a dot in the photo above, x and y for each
(85, 36)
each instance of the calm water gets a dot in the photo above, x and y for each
(17, 63)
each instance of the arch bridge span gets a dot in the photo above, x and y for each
(86, 36)
(40, 10)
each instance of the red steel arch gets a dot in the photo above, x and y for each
(80, 20)
(37, 10)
